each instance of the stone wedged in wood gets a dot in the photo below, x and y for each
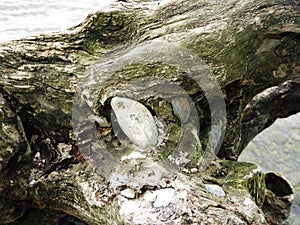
(248, 45)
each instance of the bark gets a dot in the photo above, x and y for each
(212, 75)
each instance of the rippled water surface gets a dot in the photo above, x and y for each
(21, 18)
(277, 148)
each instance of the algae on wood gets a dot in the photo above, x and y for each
(185, 61)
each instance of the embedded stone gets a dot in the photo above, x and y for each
(128, 193)
(136, 121)
(215, 190)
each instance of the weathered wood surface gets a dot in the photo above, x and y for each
(55, 107)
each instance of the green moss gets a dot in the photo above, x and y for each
(255, 184)
(246, 175)
(232, 176)
(106, 30)
(196, 156)
(174, 133)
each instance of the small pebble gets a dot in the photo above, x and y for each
(128, 193)
(215, 190)
(194, 170)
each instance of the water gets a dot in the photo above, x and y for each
(277, 148)
(22, 18)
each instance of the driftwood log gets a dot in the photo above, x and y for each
(212, 75)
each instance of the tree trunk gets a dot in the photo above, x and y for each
(137, 115)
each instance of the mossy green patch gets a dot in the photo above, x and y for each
(234, 175)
